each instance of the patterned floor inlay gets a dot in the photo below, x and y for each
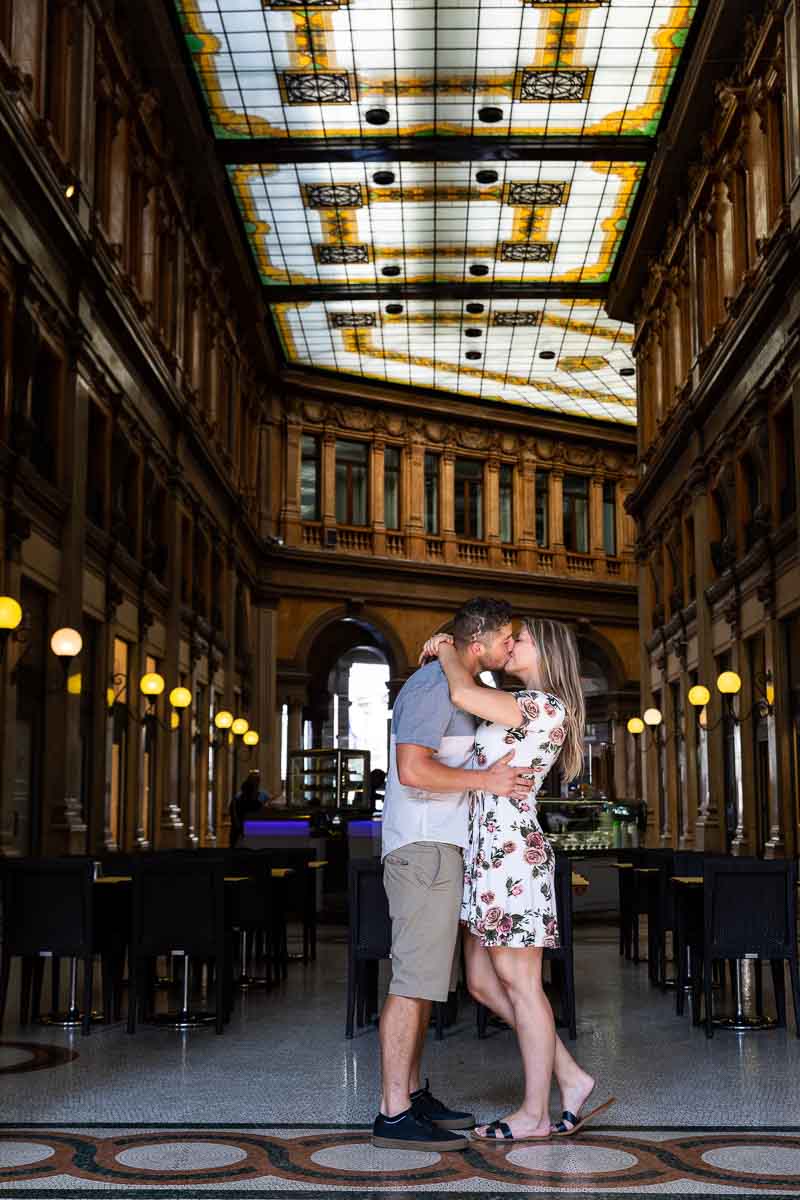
(18, 1057)
(612, 1161)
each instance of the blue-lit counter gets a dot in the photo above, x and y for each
(334, 835)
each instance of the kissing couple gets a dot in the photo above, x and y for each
(462, 843)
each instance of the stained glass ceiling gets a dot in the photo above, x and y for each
(397, 149)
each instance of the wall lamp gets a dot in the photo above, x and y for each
(10, 618)
(650, 720)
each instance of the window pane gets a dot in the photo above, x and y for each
(576, 513)
(542, 509)
(391, 487)
(506, 503)
(432, 493)
(469, 497)
(351, 482)
(609, 518)
(309, 479)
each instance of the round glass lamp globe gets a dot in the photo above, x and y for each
(729, 683)
(151, 684)
(251, 738)
(10, 613)
(699, 696)
(174, 720)
(223, 719)
(652, 716)
(180, 697)
(240, 726)
(66, 643)
(636, 725)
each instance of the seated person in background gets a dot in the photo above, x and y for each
(249, 800)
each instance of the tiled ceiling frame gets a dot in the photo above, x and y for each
(430, 155)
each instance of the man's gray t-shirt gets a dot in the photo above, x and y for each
(424, 715)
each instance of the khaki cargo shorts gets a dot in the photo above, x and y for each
(424, 882)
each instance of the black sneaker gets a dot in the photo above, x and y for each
(423, 1104)
(407, 1131)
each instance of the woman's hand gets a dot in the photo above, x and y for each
(431, 648)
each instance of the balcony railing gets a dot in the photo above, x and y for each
(472, 553)
(435, 548)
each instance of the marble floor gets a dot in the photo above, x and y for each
(281, 1103)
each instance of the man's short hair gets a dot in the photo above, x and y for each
(478, 617)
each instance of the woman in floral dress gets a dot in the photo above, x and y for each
(509, 902)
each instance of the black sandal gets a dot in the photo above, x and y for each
(560, 1130)
(504, 1129)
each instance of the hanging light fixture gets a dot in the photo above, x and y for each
(240, 726)
(636, 725)
(180, 697)
(251, 738)
(223, 719)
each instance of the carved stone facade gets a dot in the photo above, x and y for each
(134, 448)
(718, 356)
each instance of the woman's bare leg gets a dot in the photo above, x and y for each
(520, 973)
(485, 985)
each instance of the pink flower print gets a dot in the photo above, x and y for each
(493, 917)
(530, 708)
(509, 740)
(481, 927)
(517, 889)
(557, 735)
(490, 826)
(481, 760)
(548, 708)
(523, 806)
(550, 943)
(551, 927)
(509, 847)
(535, 839)
(535, 855)
(487, 897)
(506, 925)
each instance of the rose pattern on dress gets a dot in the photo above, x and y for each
(509, 895)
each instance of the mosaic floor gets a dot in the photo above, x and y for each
(307, 1162)
(281, 1104)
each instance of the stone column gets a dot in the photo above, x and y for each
(709, 835)
(376, 497)
(596, 542)
(170, 828)
(525, 511)
(64, 823)
(779, 784)
(290, 514)
(556, 519)
(413, 500)
(791, 108)
(329, 479)
(491, 510)
(447, 507)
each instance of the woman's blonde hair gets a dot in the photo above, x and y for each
(560, 673)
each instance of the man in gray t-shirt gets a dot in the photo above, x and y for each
(425, 817)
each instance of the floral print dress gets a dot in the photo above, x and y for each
(509, 866)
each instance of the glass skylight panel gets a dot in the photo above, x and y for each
(352, 67)
(558, 355)
(332, 223)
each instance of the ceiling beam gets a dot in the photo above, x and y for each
(297, 293)
(241, 151)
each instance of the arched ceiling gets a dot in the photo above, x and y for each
(435, 191)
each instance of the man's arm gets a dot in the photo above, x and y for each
(417, 767)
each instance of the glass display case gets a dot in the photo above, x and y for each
(591, 824)
(328, 779)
